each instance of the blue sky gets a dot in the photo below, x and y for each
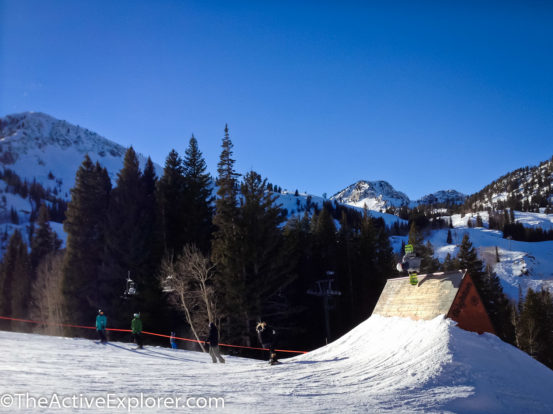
(317, 94)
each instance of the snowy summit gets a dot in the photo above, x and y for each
(37, 146)
(380, 195)
(375, 195)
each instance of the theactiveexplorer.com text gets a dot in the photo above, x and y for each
(25, 400)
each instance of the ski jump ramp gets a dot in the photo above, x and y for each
(452, 294)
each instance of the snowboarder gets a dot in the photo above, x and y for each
(136, 327)
(213, 343)
(268, 339)
(411, 264)
(101, 323)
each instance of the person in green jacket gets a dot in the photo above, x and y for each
(136, 327)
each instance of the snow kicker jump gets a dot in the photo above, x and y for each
(452, 294)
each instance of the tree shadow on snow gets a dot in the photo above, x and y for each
(320, 361)
(154, 354)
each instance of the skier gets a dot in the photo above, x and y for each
(268, 339)
(213, 343)
(101, 323)
(136, 327)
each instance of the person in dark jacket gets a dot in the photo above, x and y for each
(213, 341)
(268, 339)
(136, 327)
(101, 324)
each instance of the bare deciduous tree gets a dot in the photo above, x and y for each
(47, 295)
(187, 279)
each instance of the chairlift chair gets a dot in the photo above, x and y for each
(130, 288)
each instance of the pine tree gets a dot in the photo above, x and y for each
(128, 240)
(156, 310)
(345, 254)
(15, 278)
(479, 222)
(449, 238)
(171, 202)
(265, 270)
(44, 240)
(85, 228)
(499, 307)
(425, 251)
(225, 242)
(384, 260)
(449, 264)
(535, 326)
(297, 242)
(468, 259)
(489, 288)
(323, 231)
(198, 198)
(368, 241)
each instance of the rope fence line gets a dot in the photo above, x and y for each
(145, 333)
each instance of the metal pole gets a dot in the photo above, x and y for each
(327, 321)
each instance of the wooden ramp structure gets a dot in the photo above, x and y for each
(452, 294)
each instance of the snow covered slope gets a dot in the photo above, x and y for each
(530, 186)
(384, 365)
(296, 205)
(522, 264)
(38, 146)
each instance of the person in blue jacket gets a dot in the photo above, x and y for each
(173, 341)
(101, 323)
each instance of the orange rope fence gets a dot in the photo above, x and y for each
(145, 333)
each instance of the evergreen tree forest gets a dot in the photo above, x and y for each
(222, 249)
(259, 262)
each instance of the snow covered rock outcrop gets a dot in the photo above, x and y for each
(379, 195)
(376, 195)
(443, 197)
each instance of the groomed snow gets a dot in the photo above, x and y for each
(383, 365)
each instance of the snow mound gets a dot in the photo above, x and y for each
(383, 365)
(432, 365)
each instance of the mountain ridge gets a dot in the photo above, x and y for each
(380, 195)
(37, 146)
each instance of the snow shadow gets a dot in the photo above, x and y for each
(152, 353)
(320, 361)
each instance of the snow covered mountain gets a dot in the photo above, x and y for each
(35, 147)
(384, 365)
(39, 147)
(527, 188)
(380, 195)
(443, 197)
(376, 195)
